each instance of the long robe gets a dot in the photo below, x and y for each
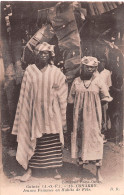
(87, 118)
(41, 109)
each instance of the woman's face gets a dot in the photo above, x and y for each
(42, 58)
(89, 69)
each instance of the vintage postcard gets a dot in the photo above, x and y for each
(61, 97)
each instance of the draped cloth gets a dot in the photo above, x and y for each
(44, 34)
(41, 109)
(98, 8)
(65, 27)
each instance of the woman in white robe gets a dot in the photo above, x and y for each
(87, 140)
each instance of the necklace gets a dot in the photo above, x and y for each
(87, 86)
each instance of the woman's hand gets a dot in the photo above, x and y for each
(107, 99)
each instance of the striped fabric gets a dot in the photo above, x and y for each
(98, 8)
(48, 152)
(65, 28)
(45, 34)
(41, 109)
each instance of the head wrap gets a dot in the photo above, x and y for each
(89, 61)
(44, 47)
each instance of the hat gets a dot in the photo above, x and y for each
(89, 61)
(44, 47)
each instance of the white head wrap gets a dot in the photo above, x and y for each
(89, 61)
(44, 47)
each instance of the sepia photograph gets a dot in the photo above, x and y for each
(61, 97)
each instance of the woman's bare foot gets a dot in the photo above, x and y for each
(57, 175)
(25, 177)
(79, 161)
(76, 179)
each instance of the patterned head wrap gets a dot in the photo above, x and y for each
(44, 47)
(89, 61)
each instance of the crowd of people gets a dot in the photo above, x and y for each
(40, 121)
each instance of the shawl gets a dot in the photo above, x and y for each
(41, 109)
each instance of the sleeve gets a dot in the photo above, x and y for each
(71, 96)
(109, 81)
(104, 93)
(22, 123)
(23, 106)
(62, 92)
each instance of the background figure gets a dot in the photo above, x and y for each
(106, 78)
(41, 114)
(87, 140)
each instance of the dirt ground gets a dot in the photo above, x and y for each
(43, 182)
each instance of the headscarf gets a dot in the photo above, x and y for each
(89, 61)
(44, 47)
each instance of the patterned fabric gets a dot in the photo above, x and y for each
(85, 162)
(45, 34)
(89, 61)
(65, 27)
(48, 152)
(98, 8)
(87, 118)
(44, 47)
(41, 109)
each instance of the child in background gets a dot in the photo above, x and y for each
(106, 78)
